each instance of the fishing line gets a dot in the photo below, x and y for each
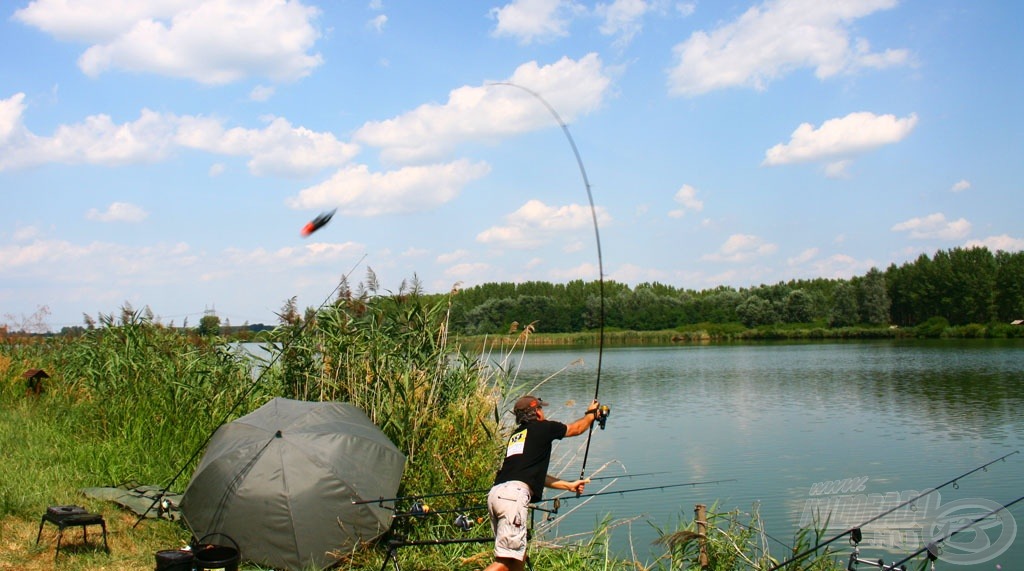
(597, 236)
(245, 394)
(807, 552)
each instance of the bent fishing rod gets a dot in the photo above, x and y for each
(484, 491)
(238, 402)
(953, 481)
(600, 259)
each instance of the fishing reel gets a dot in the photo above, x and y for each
(465, 523)
(419, 509)
(601, 415)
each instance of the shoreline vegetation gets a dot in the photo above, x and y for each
(736, 333)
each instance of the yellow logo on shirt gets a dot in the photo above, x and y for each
(516, 444)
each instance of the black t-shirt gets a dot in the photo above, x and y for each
(528, 454)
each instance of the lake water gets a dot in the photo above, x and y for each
(884, 421)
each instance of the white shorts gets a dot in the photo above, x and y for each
(509, 506)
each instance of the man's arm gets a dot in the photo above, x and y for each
(574, 486)
(580, 426)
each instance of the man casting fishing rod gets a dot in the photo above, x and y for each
(524, 475)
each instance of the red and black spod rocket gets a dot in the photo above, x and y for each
(317, 223)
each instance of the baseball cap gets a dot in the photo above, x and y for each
(528, 402)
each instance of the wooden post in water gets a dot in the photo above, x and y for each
(700, 517)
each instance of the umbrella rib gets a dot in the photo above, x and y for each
(230, 488)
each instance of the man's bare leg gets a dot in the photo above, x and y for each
(506, 564)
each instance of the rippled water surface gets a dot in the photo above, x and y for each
(891, 419)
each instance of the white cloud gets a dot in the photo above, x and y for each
(209, 41)
(775, 38)
(584, 271)
(452, 257)
(415, 252)
(535, 224)
(11, 110)
(838, 169)
(261, 93)
(803, 257)
(838, 266)
(466, 271)
(217, 169)
(686, 8)
(934, 226)
(24, 233)
(356, 191)
(686, 197)
(634, 274)
(377, 22)
(534, 20)
(961, 185)
(1002, 242)
(96, 262)
(622, 18)
(741, 248)
(118, 212)
(488, 112)
(852, 134)
(278, 149)
(97, 140)
(573, 246)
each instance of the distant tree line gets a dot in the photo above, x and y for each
(960, 286)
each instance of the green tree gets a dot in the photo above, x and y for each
(798, 307)
(1009, 286)
(972, 286)
(873, 298)
(209, 325)
(756, 311)
(844, 306)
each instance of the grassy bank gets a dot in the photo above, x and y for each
(133, 402)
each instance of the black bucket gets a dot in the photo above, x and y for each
(174, 560)
(211, 557)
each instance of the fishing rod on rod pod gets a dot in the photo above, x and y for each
(557, 501)
(419, 509)
(953, 481)
(932, 547)
(160, 496)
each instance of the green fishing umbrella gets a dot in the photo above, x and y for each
(280, 482)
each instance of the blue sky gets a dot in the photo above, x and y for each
(166, 153)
